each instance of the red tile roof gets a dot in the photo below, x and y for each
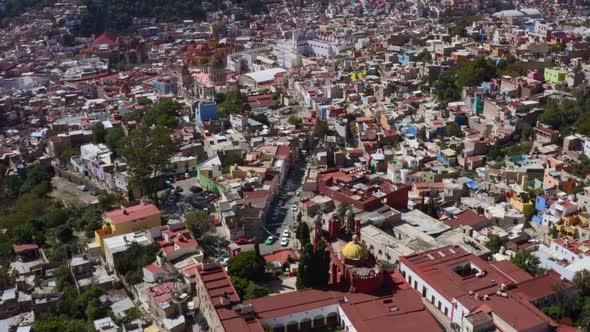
(281, 256)
(22, 248)
(132, 213)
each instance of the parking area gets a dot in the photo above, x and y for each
(67, 191)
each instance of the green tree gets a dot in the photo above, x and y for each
(321, 128)
(254, 291)
(108, 201)
(454, 130)
(582, 281)
(247, 265)
(67, 155)
(64, 233)
(131, 261)
(63, 278)
(199, 223)
(527, 261)
(495, 242)
(148, 151)
(164, 113)
(302, 234)
(98, 132)
(230, 159)
(295, 120)
(240, 284)
(314, 266)
(114, 139)
(235, 102)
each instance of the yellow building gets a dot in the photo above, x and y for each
(569, 224)
(128, 220)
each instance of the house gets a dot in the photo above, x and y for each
(124, 221)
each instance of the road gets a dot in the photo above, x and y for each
(281, 215)
(67, 191)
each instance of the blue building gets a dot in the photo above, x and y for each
(206, 111)
(165, 85)
(541, 205)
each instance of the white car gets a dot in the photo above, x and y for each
(82, 188)
(284, 242)
(294, 207)
(286, 233)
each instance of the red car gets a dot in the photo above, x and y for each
(242, 240)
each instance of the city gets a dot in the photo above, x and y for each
(294, 165)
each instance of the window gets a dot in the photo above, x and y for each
(415, 284)
(410, 280)
(439, 305)
(424, 291)
(433, 301)
(446, 311)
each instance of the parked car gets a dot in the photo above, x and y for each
(270, 240)
(242, 240)
(94, 193)
(294, 207)
(179, 189)
(286, 233)
(284, 242)
(82, 188)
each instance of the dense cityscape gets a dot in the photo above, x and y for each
(297, 165)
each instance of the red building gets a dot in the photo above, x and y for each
(363, 191)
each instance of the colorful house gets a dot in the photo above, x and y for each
(127, 220)
(554, 75)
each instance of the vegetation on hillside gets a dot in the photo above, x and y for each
(117, 16)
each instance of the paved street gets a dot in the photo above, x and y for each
(281, 216)
(67, 191)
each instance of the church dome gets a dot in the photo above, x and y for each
(355, 250)
(202, 50)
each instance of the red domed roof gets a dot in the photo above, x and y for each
(202, 50)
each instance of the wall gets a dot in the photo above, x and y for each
(456, 315)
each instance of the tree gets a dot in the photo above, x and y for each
(247, 265)
(66, 156)
(148, 151)
(131, 261)
(262, 118)
(98, 133)
(114, 139)
(63, 278)
(199, 223)
(527, 261)
(295, 120)
(232, 158)
(64, 233)
(582, 281)
(164, 114)
(302, 234)
(235, 102)
(254, 291)
(321, 128)
(314, 266)
(240, 284)
(108, 201)
(454, 130)
(495, 242)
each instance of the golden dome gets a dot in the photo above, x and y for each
(354, 249)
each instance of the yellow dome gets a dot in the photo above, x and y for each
(354, 249)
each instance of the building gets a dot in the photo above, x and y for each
(206, 111)
(554, 75)
(463, 286)
(362, 191)
(124, 221)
